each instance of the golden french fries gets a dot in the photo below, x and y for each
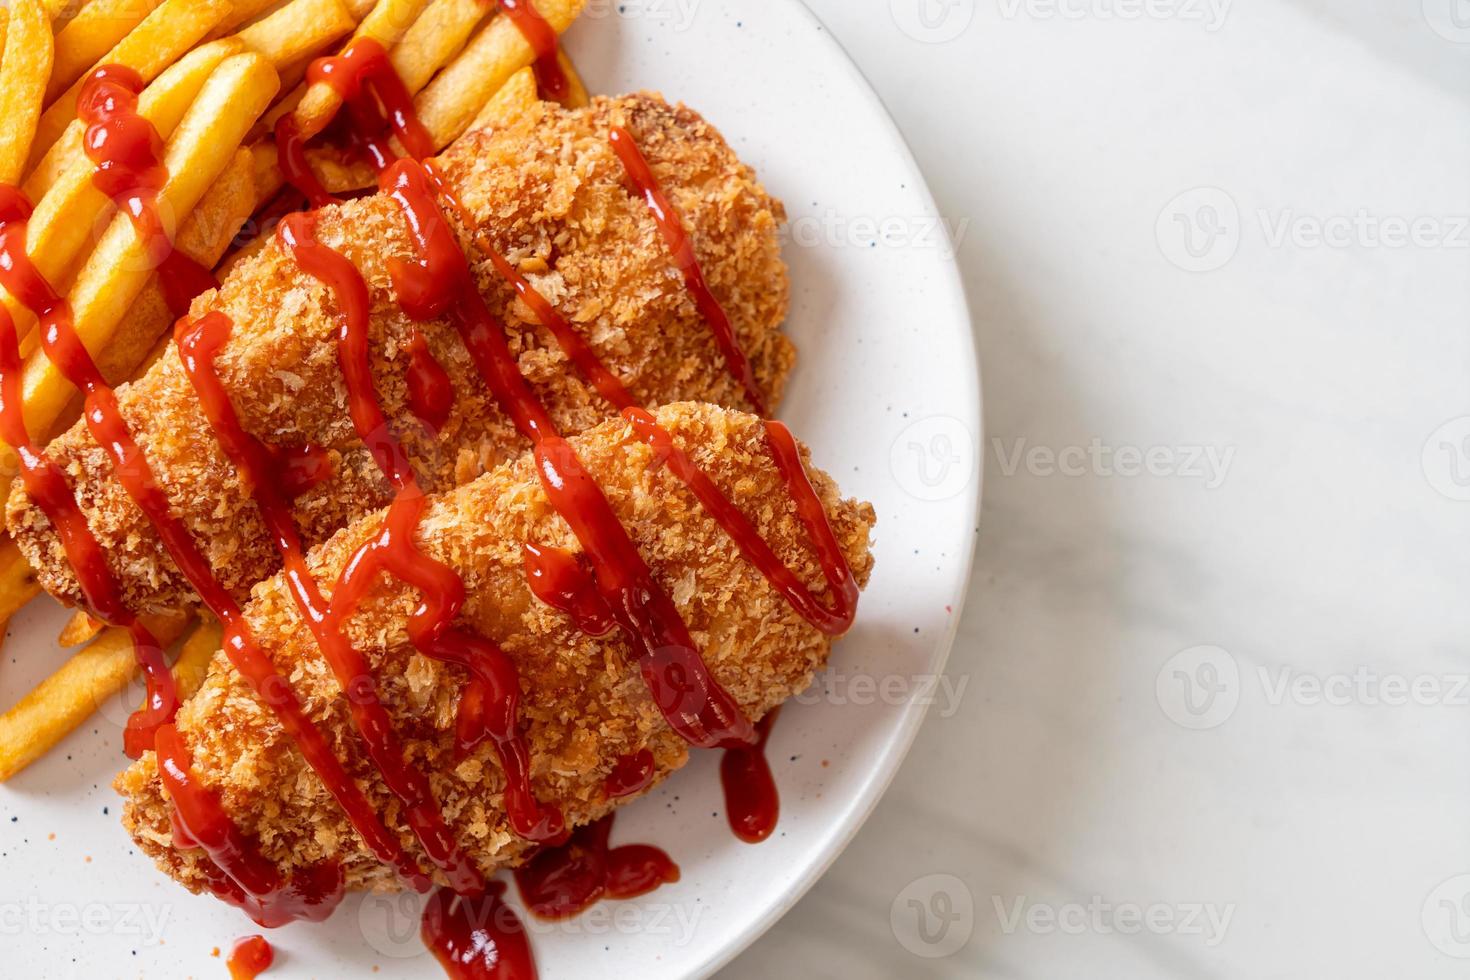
(116, 271)
(218, 74)
(18, 584)
(300, 28)
(24, 68)
(449, 103)
(83, 627)
(195, 654)
(89, 35)
(204, 236)
(516, 96)
(68, 697)
(163, 102)
(162, 38)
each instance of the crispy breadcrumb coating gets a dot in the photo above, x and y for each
(551, 194)
(583, 704)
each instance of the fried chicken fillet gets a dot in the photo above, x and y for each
(550, 193)
(583, 703)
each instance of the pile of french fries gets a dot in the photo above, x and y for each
(219, 74)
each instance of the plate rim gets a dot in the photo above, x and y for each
(893, 757)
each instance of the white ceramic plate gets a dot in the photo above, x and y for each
(886, 393)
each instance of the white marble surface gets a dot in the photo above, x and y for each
(1303, 813)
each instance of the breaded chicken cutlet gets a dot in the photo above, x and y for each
(552, 196)
(583, 702)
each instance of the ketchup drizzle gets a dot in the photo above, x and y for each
(249, 958)
(440, 283)
(752, 804)
(128, 154)
(479, 937)
(561, 882)
(393, 550)
(551, 80)
(44, 480)
(378, 104)
(631, 774)
(679, 243)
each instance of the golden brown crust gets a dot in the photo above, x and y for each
(551, 194)
(583, 704)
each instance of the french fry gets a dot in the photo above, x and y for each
(449, 103)
(300, 28)
(577, 97)
(204, 144)
(24, 69)
(204, 236)
(83, 627)
(163, 103)
(198, 649)
(18, 584)
(242, 12)
(386, 23)
(68, 697)
(162, 38)
(516, 96)
(90, 35)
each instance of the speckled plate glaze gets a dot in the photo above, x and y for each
(886, 393)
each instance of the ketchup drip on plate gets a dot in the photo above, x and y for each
(561, 882)
(128, 154)
(249, 958)
(477, 938)
(751, 802)
(551, 81)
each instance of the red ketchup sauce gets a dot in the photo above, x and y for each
(378, 105)
(551, 81)
(631, 775)
(751, 801)
(128, 154)
(640, 175)
(249, 958)
(45, 482)
(560, 882)
(440, 283)
(479, 937)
